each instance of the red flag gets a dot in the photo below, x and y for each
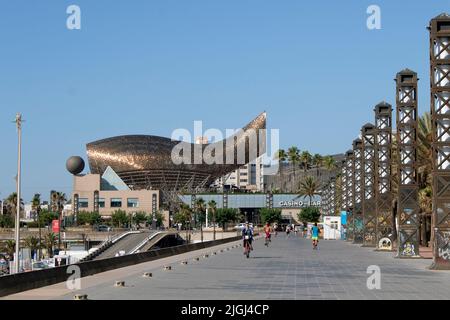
(55, 226)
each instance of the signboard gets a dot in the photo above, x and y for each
(55, 226)
(297, 204)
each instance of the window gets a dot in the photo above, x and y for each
(116, 203)
(83, 203)
(133, 203)
(101, 202)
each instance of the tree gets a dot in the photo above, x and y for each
(184, 217)
(6, 221)
(36, 206)
(139, 217)
(50, 242)
(270, 215)
(293, 156)
(89, 218)
(281, 156)
(33, 243)
(160, 218)
(329, 163)
(308, 187)
(119, 218)
(8, 247)
(11, 204)
(46, 217)
(226, 215)
(305, 158)
(309, 214)
(200, 208)
(317, 161)
(212, 209)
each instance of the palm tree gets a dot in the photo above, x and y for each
(213, 207)
(33, 243)
(329, 163)
(185, 214)
(305, 158)
(281, 156)
(200, 208)
(425, 167)
(36, 206)
(293, 156)
(60, 202)
(317, 161)
(11, 203)
(308, 188)
(9, 247)
(49, 243)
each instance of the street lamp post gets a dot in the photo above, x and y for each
(407, 128)
(18, 122)
(383, 190)
(440, 104)
(357, 192)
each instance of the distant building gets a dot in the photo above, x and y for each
(107, 193)
(249, 177)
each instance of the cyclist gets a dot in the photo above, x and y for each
(267, 231)
(247, 236)
(315, 235)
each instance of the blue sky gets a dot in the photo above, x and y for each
(149, 67)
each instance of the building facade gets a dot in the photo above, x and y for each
(106, 194)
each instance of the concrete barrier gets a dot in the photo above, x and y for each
(15, 283)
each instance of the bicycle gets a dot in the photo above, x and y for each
(267, 240)
(247, 246)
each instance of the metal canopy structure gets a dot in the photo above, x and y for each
(358, 192)
(368, 134)
(440, 115)
(349, 191)
(408, 206)
(344, 194)
(383, 192)
(332, 197)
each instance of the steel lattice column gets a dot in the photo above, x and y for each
(325, 200)
(408, 206)
(383, 194)
(358, 226)
(333, 198)
(344, 185)
(440, 115)
(350, 198)
(368, 200)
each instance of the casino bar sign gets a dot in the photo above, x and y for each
(298, 204)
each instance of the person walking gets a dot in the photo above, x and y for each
(315, 231)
